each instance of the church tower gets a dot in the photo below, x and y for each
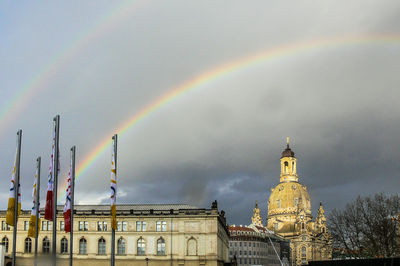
(288, 165)
(289, 215)
(256, 219)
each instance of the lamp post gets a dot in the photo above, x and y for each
(147, 261)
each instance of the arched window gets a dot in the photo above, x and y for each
(302, 226)
(278, 203)
(28, 245)
(121, 246)
(46, 245)
(102, 246)
(82, 246)
(286, 167)
(64, 245)
(192, 247)
(160, 246)
(303, 255)
(5, 243)
(141, 246)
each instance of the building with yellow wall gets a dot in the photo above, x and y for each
(165, 234)
(289, 215)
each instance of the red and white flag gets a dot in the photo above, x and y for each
(48, 211)
(67, 206)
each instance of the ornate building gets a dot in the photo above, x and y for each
(159, 234)
(289, 215)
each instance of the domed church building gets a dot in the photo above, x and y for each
(289, 215)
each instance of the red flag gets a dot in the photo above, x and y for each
(48, 211)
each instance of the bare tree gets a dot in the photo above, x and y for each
(365, 228)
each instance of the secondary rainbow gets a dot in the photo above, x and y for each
(230, 68)
(23, 95)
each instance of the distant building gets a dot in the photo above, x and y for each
(289, 216)
(256, 245)
(165, 234)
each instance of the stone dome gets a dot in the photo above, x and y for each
(287, 195)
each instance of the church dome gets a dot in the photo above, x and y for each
(287, 152)
(289, 198)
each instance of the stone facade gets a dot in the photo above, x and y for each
(289, 215)
(165, 234)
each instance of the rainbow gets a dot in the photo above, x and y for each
(212, 75)
(22, 96)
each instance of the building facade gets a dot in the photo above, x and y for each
(162, 234)
(256, 245)
(289, 215)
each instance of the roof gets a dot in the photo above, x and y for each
(135, 207)
(287, 152)
(240, 228)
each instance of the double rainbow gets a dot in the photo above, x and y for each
(237, 65)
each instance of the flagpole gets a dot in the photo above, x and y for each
(16, 192)
(55, 179)
(115, 137)
(71, 237)
(37, 205)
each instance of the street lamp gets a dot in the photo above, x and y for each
(147, 261)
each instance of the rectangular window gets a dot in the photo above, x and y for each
(164, 226)
(119, 226)
(99, 226)
(158, 226)
(81, 224)
(245, 253)
(245, 244)
(138, 226)
(62, 226)
(49, 225)
(86, 226)
(26, 225)
(104, 226)
(124, 226)
(44, 225)
(143, 226)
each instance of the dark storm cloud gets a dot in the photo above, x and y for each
(223, 140)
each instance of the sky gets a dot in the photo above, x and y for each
(327, 77)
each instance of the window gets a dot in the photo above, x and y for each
(160, 246)
(5, 243)
(140, 226)
(245, 253)
(44, 225)
(192, 247)
(296, 201)
(240, 252)
(302, 226)
(245, 261)
(82, 246)
(83, 226)
(121, 246)
(278, 203)
(121, 226)
(62, 226)
(161, 226)
(245, 244)
(26, 225)
(303, 255)
(28, 245)
(49, 225)
(240, 244)
(124, 226)
(102, 246)
(249, 253)
(286, 167)
(141, 247)
(64, 245)
(46, 245)
(102, 226)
